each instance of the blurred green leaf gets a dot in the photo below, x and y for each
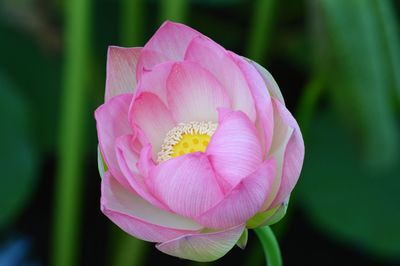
(358, 72)
(18, 157)
(36, 73)
(391, 39)
(344, 197)
(260, 29)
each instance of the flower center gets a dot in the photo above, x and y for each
(186, 138)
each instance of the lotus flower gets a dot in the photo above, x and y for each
(195, 144)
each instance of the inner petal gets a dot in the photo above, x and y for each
(186, 138)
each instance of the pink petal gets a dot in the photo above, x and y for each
(243, 201)
(149, 59)
(234, 150)
(281, 136)
(150, 114)
(121, 71)
(112, 122)
(264, 122)
(293, 156)
(128, 162)
(172, 39)
(155, 81)
(186, 184)
(194, 94)
(272, 86)
(202, 247)
(138, 217)
(215, 59)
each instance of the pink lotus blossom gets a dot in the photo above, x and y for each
(196, 144)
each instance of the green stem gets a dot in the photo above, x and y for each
(175, 10)
(308, 102)
(66, 227)
(260, 29)
(270, 246)
(126, 250)
(131, 23)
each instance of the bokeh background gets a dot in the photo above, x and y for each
(337, 63)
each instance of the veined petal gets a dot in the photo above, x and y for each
(262, 99)
(129, 162)
(155, 81)
(112, 122)
(138, 217)
(281, 136)
(194, 94)
(149, 59)
(121, 70)
(272, 86)
(186, 184)
(215, 59)
(293, 157)
(243, 201)
(150, 114)
(203, 247)
(172, 39)
(234, 150)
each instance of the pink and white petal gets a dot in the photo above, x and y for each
(150, 114)
(245, 200)
(194, 94)
(172, 40)
(139, 218)
(272, 86)
(121, 71)
(215, 59)
(262, 99)
(148, 59)
(281, 136)
(293, 157)
(234, 150)
(112, 122)
(186, 184)
(128, 162)
(146, 163)
(155, 81)
(203, 247)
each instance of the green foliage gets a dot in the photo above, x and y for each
(359, 74)
(343, 196)
(18, 156)
(36, 74)
(349, 181)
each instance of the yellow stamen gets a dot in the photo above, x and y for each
(186, 138)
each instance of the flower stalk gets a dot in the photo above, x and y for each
(270, 246)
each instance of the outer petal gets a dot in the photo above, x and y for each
(112, 122)
(138, 217)
(129, 164)
(293, 158)
(243, 201)
(234, 149)
(194, 94)
(150, 114)
(282, 134)
(262, 100)
(186, 184)
(204, 246)
(272, 86)
(269, 216)
(172, 39)
(121, 71)
(215, 59)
